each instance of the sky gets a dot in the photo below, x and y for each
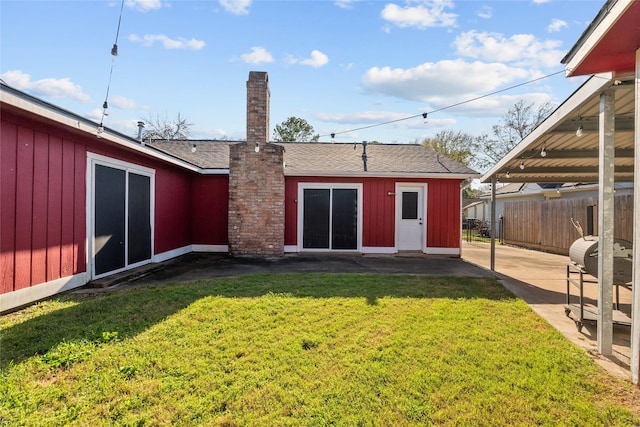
(361, 70)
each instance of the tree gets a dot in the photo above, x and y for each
(294, 129)
(514, 126)
(163, 128)
(458, 146)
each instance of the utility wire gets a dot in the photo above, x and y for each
(114, 53)
(426, 114)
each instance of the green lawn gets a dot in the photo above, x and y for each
(300, 349)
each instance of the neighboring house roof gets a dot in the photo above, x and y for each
(471, 202)
(306, 158)
(528, 189)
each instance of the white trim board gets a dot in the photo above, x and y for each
(358, 186)
(93, 160)
(19, 298)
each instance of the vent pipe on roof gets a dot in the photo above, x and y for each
(140, 127)
(364, 155)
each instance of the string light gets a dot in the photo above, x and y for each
(425, 114)
(521, 164)
(543, 152)
(114, 53)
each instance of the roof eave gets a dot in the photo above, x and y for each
(38, 107)
(362, 174)
(595, 32)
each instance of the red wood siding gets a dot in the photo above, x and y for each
(443, 214)
(8, 157)
(378, 211)
(209, 207)
(43, 201)
(41, 236)
(172, 215)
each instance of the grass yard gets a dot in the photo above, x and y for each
(301, 349)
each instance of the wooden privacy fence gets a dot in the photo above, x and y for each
(546, 224)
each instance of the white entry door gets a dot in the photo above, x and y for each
(410, 217)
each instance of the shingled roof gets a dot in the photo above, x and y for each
(305, 158)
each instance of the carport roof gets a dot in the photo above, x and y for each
(570, 158)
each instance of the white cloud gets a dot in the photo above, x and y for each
(237, 7)
(556, 25)
(144, 5)
(485, 12)
(123, 103)
(258, 55)
(317, 60)
(95, 114)
(445, 78)
(520, 49)
(50, 87)
(427, 13)
(167, 43)
(344, 4)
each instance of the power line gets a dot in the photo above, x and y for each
(426, 114)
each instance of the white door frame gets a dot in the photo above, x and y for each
(327, 186)
(97, 159)
(422, 209)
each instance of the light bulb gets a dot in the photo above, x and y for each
(543, 152)
(193, 148)
(257, 149)
(579, 131)
(522, 164)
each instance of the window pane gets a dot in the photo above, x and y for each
(315, 234)
(139, 217)
(109, 219)
(409, 205)
(344, 219)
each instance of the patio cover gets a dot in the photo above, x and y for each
(607, 108)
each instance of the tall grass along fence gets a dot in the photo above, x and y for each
(546, 224)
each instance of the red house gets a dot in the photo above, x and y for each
(77, 204)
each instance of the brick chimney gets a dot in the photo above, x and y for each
(256, 180)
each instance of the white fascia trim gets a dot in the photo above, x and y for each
(210, 248)
(442, 251)
(71, 120)
(381, 175)
(213, 171)
(601, 30)
(379, 250)
(16, 299)
(164, 256)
